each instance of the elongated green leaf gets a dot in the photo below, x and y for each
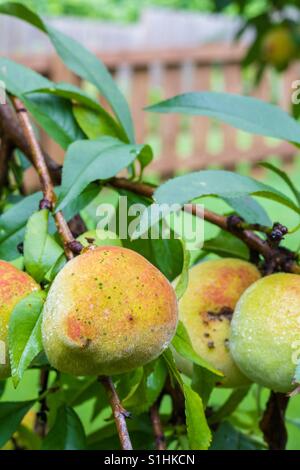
(199, 434)
(99, 121)
(166, 254)
(225, 244)
(24, 334)
(11, 414)
(243, 112)
(285, 177)
(203, 383)
(56, 117)
(12, 225)
(19, 79)
(40, 249)
(224, 184)
(142, 397)
(80, 61)
(95, 124)
(87, 161)
(14, 220)
(182, 344)
(67, 432)
(53, 113)
(249, 209)
(229, 438)
(183, 280)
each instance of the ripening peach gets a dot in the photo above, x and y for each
(108, 311)
(206, 310)
(279, 47)
(265, 333)
(14, 286)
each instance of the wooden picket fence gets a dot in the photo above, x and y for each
(213, 66)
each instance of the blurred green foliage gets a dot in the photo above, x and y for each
(129, 10)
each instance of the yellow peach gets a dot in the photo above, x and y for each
(265, 333)
(14, 286)
(206, 309)
(108, 311)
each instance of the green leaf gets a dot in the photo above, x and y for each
(203, 382)
(72, 93)
(243, 112)
(224, 184)
(249, 209)
(140, 430)
(173, 371)
(87, 161)
(199, 434)
(56, 117)
(165, 254)
(148, 389)
(11, 414)
(285, 177)
(55, 268)
(12, 225)
(40, 249)
(19, 79)
(229, 438)
(182, 344)
(67, 432)
(53, 113)
(14, 220)
(95, 124)
(80, 61)
(145, 158)
(183, 280)
(225, 244)
(24, 333)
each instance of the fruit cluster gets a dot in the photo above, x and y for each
(109, 310)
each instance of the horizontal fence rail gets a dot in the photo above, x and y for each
(183, 143)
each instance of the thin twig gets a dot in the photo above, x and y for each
(283, 258)
(160, 440)
(71, 247)
(119, 413)
(41, 416)
(273, 421)
(49, 198)
(10, 127)
(5, 152)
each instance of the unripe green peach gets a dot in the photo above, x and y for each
(99, 237)
(108, 311)
(279, 47)
(265, 333)
(14, 286)
(206, 309)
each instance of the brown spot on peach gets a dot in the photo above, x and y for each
(206, 310)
